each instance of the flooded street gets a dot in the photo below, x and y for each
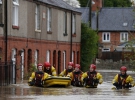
(21, 91)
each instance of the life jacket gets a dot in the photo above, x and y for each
(68, 71)
(90, 80)
(77, 75)
(38, 78)
(48, 71)
(122, 79)
(77, 79)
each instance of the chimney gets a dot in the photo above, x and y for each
(97, 4)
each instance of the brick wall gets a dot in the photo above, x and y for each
(42, 46)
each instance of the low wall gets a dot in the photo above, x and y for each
(110, 64)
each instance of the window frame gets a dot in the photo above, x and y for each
(65, 24)
(37, 17)
(73, 24)
(64, 59)
(105, 50)
(0, 1)
(49, 19)
(15, 12)
(105, 34)
(123, 33)
(36, 57)
(48, 55)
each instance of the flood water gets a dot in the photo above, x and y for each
(21, 91)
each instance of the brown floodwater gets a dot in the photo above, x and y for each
(21, 91)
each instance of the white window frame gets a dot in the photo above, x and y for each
(105, 37)
(37, 17)
(65, 23)
(48, 56)
(49, 19)
(13, 55)
(0, 1)
(15, 12)
(73, 24)
(36, 57)
(123, 36)
(107, 49)
(64, 59)
(72, 56)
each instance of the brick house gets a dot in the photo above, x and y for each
(39, 31)
(115, 25)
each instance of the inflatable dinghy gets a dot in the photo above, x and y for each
(57, 81)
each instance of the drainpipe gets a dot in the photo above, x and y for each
(5, 28)
(71, 37)
(90, 13)
(102, 3)
(97, 19)
(5, 34)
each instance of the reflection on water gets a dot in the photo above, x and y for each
(22, 91)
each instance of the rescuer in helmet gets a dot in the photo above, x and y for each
(69, 69)
(91, 78)
(38, 77)
(49, 69)
(76, 76)
(123, 80)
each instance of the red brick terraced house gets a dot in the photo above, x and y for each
(39, 31)
(115, 25)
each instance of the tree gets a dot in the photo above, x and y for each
(83, 2)
(130, 55)
(117, 3)
(74, 3)
(89, 41)
(110, 3)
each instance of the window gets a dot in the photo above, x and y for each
(0, 1)
(65, 23)
(15, 12)
(48, 19)
(64, 59)
(48, 56)
(123, 36)
(105, 49)
(37, 17)
(78, 58)
(36, 57)
(73, 24)
(125, 24)
(73, 57)
(106, 37)
(1, 12)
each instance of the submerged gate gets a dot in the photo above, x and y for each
(7, 73)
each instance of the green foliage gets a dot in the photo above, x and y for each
(83, 3)
(130, 56)
(32, 69)
(110, 3)
(89, 40)
(117, 3)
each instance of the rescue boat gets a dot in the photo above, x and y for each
(57, 81)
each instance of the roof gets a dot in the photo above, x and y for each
(111, 18)
(60, 4)
(116, 19)
(85, 16)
